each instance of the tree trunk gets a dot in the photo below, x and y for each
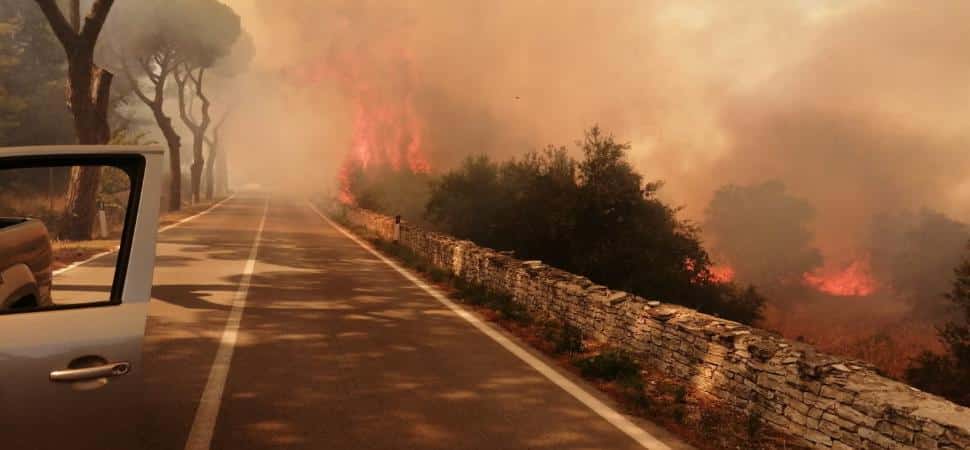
(210, 174)
(189, 84)
(89, 88)
(174, 157)
(198, 162)
(223, 172)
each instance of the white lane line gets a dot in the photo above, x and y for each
(196, 216)
(77, 264)
(646, 440)
(200, 436)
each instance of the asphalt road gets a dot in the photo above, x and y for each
(335, 349)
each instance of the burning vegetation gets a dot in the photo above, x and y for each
(798, 177)
(843, 195)
(855, 280)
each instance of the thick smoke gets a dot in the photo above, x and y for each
(858, 106)
(763, 233)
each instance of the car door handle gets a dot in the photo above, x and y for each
(115, 369)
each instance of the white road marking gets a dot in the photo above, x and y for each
(195, 216)
(77, 264)
(646, 440)
(204, 424)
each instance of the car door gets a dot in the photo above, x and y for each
(70, 373)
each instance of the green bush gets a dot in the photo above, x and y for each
(611, 365)
(595, 217)
(567, 339)
(511, 309)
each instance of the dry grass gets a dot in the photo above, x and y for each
(876, 329)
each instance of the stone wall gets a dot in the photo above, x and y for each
(831, 402)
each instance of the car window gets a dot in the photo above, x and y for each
(60, 231)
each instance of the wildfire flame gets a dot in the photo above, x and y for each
(716, 273)
(722, 273)
(387, 129)
(854, 280)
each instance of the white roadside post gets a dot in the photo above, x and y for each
(397, 228)
(102, 221)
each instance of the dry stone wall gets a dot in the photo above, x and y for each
(830, 402)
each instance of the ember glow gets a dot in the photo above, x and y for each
(722, 273)
(854, 280)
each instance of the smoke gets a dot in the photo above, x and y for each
(871, 121)
(917, 253)
(763, 233)
(857, 106)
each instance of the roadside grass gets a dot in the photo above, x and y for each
(698, 419)
(879, 330)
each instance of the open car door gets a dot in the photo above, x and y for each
(73, 317)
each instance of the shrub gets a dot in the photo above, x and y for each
(569, 339)
(611, 365)
(755, 425)
(595, 217)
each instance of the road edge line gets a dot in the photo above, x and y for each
(618, 420)
(197, 215)
(207, 413)
(77, 264)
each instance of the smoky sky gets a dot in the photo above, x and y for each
(858, 106)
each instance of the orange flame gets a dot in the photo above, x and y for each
(715, 273)
(854, 280)
(722, 273)
(387, 129)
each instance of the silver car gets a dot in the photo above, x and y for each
(70, 348)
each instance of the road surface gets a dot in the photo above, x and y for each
(269, 328)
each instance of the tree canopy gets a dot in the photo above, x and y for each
(32, 82)
(159, 40)
(594, 217)
(200, 32)
(915, 254)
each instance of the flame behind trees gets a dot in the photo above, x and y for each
(379, 82)
(854, 280)
(763, 232)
